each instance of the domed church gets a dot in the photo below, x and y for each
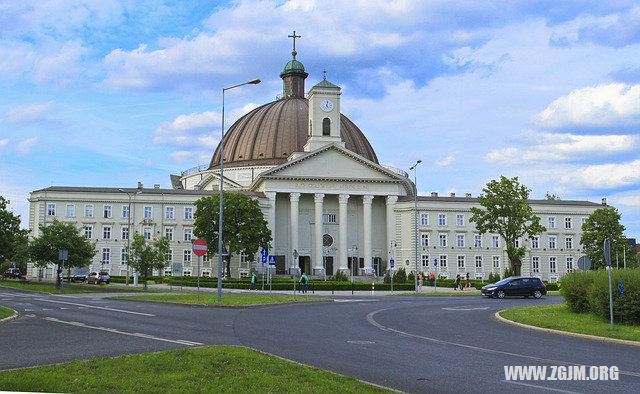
(329, 203)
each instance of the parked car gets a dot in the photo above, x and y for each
(99, 277)
(12, 273)
(523, 286)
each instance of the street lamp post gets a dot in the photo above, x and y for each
(415, 222)
(129, 228)
(252, 82)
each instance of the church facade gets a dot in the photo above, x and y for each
(330, 205)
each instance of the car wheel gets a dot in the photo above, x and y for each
(500, 294)
(537, 294)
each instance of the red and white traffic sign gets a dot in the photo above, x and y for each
(200, 247)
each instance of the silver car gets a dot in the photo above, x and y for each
(99, 277)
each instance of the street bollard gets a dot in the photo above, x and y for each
(313, 288)
(332, 287)
(373, 288)
(351, 288)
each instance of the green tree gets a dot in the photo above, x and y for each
(146, 256)
(603, 223)
(57, 236)
(507, 213)
(244, 229)
(13, 239)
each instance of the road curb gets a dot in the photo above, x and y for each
(565, 333)
(225, 306)
(8, 319)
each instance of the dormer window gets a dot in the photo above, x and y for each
(326, 127)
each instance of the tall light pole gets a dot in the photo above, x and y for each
(129, 228)
(253, 82)
(415, 222)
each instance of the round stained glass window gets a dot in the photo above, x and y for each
(327, 240)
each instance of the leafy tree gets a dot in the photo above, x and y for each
(145, 256)
(552, 197)
(507, 213)
(603, 223)
(57, 236)
(244, 228)
(13, 239)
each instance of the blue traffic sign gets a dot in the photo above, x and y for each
(264, 255)
(272, 260)
(435, 262)
(391, 263)
(622, 288)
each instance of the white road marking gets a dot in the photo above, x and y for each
(30, 315)
(46, 309)
(465, 309)
(372, 321)
(347, 300)
(116, 331)
(31, 310)
(100, 307)
(540, 387)
(64, 308)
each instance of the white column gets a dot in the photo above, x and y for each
(271, 223)
(342, 242)
(294, 198)
(391, 226)
(318, 267)
(366, 206)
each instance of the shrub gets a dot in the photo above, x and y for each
(400, 276)
(340, 276)
(574, 290)
(411, 277)
(508, 272)
(493, 278)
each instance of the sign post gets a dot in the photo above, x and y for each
(435, 277)
(63, 255)
(265, 253)
(272, 262)
(199, 249)
(607, 258)
(391, 273)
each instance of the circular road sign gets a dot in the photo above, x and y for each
(584, 263)
(200, 247)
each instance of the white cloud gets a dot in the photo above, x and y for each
(628, 199)
(4, 142)
(61, 67)
(562, 147)
(612, 104)
(190, 156)
(25, 146)
(445, 161)
(604, 176)
(28, 113)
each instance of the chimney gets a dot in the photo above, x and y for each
(452, 194)
(434, 194)
(156, 186)
(139, 185)
(604, 201)
(468, 195)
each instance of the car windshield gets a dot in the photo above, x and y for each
(503, 282)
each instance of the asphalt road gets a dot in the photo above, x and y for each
(428, 344)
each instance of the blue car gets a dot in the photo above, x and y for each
(516, 286)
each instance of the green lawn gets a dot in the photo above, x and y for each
(5, 312)
(558, 317)
(208, 369)
(227, 299)
(69, 288)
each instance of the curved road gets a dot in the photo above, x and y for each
(443, 344)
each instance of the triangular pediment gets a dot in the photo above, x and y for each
(214, 179)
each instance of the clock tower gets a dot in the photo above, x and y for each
(324, 115)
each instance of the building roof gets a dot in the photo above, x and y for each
(147, 191)
(475, 200)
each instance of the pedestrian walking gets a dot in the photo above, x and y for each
(432, 278)
(304, 280)
(467, 285)
(457, 284)
(254, 279)
(420, 278)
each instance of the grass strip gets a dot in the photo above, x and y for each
(227, 299)
(224, 369)
(71, 288)
(558, 317)
(5, 312)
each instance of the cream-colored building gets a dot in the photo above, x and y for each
(325, 196)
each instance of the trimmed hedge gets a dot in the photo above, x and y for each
(588, 291)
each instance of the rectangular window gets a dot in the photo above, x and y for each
(552, 222)
(459, 220)
(478, 261)
(425, 260)
(106, 211)
(535, 264)
(125, 211)
(51, 209)
(125, 233)
(517, 242)
(106, 255)
(106, 232)
(123, 256)
(443, 240)
(187, 256)
(424, 240)
(442, 219)
(424, 219)
(188, 213)
(552, 264)
(552, 242)
(477, 241)
(535, 243)
(71, 210)
(569, 264)
(244, 260)
(460, 240)
(205, 258)
(148, 212)
(460, 262)
(88, 232)
(496, 262)
(168, 232)
(568, 242)
(495, 241)
(170, 255)
(443, 261)
(88, 211)
(188, 232)
(147, 233)
(584, 220)
(168, 212)
(329, 218)
(567, 223)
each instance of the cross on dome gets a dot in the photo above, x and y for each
(294, 36)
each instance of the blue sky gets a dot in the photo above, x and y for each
(110, 93)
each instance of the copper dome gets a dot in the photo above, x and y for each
(270, 133)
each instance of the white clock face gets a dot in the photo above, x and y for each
(326, 105)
